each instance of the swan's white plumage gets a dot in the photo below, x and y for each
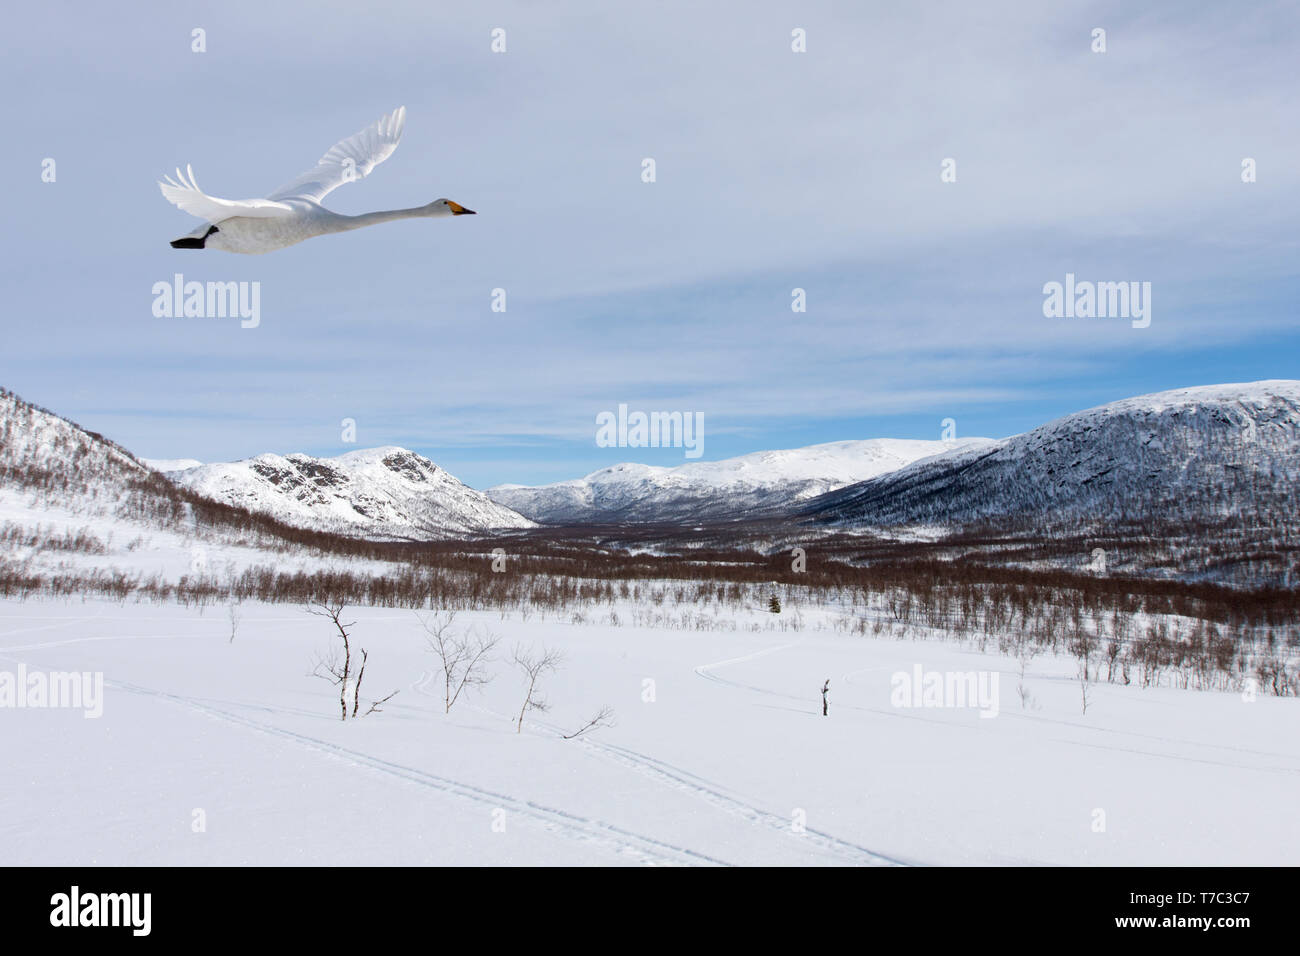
(184, 191)
(366, 150)
(294, 212)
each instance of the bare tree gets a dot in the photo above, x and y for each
(826, 689)
(534, 664)
(1083, 648)
(235, 617)
(463, 656)
(375, 705)
(356, 688)
(1024, 649)
(1113, 647)
(339, 671)
(336, 671)
(604, 718)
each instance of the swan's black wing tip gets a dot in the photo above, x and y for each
(193, 242)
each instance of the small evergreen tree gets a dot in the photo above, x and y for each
(774, 604)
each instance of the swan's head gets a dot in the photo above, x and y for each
(448, 207)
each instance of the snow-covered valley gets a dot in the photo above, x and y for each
(218, 743)
(213, 751)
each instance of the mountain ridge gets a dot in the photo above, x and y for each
(758, 483)
(1202, 452)
(382, 492)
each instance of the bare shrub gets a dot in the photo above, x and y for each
(604, 718)
(534, 664)
(462, 656)
(338, 670)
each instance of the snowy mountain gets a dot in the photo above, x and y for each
(48, 461)
(165, 465)
(765, 482)
(1192, 455)
(387, 492)
(79, 512)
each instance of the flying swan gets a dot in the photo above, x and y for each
(293, 212)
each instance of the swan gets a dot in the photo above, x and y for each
(293, 212)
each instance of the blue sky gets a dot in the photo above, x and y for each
(775, 170)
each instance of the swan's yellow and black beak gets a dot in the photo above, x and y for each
(458, 210)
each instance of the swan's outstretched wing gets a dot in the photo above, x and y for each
(185, 193)
(348, 160)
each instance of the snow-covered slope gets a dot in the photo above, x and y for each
(764, 482)
(74, 506)
(79, 512)
(50, 465)
(58, 462)
(1189, 455)
(387, 492)
(165, 465)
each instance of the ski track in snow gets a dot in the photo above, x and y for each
(705, 671)
(623, 842)
(67, 622)
(684, 781)
(677, 778)
(646, 850)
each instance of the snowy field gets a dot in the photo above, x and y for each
(730, 762)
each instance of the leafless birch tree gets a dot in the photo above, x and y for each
(604, 718)
(338, 671)
(534, 664)
(463, 657)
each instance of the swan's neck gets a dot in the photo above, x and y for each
(339, 223)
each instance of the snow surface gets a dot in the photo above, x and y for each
(143, 552)
(761, 481)
(165, 465)
(1191, 453)
(714, 771)
(731, 753)
(376, 492)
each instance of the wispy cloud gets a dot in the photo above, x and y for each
(774, 171)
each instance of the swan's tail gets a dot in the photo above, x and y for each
(196, 239)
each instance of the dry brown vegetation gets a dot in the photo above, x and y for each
(1205, 605)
